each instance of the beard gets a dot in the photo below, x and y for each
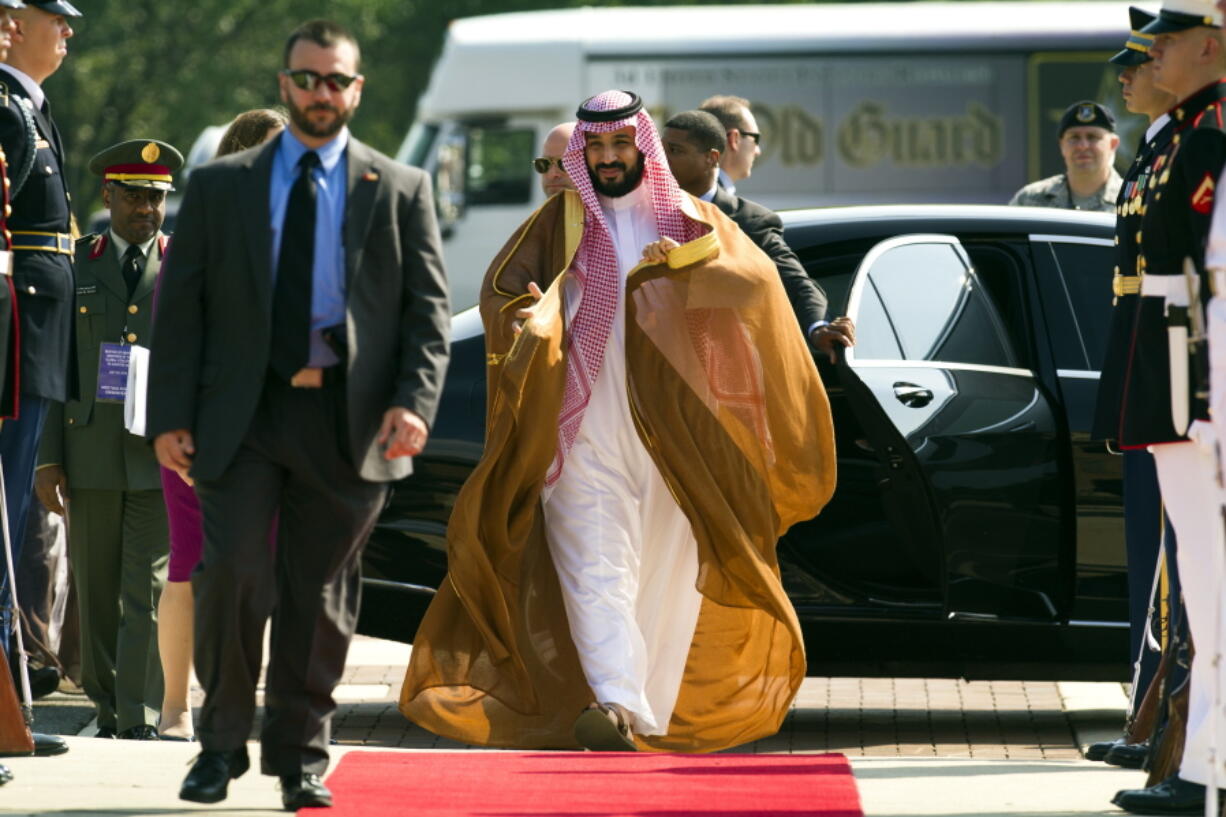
(615, 190)
(301, 118)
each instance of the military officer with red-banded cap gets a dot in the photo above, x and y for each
(1164, 397)
(90, 469)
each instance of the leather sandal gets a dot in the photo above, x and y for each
(604, 728)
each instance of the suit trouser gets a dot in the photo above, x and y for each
(18, 455)
(1187, 474)
(293, 461)
(1143, 523)
(118, 545)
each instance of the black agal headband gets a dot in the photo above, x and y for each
(586, 115)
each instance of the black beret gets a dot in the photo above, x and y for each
(1086, 113)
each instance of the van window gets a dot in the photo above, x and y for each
(499, 166)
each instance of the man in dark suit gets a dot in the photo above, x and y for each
(300, 344)
(693, 143)
(42, 262)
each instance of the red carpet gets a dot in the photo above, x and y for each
(585, 784)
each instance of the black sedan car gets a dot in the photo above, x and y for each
(976, 531)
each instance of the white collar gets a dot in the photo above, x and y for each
(32, 88)
(710, 194)
(121, 246)
(632, 199)
(1156, 126)
(726, 181)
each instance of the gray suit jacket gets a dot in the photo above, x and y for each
(212, 329)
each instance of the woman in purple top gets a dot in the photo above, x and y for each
(175, 608)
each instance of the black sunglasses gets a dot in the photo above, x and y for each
(542, 164)
(309, 80)
(756, 137)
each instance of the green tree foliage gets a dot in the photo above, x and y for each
(151, 68)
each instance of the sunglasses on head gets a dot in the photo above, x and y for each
(542, 164)
(309, 80)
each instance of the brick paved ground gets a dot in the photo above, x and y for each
(869, 717)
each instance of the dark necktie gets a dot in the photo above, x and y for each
(132, 267)
(291, 300)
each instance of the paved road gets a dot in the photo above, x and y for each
(918, 747)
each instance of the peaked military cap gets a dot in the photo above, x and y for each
(138, 163)
(12, 4)
(1179, 15)
(1136, 49)
(56, 7)
(1086, 113)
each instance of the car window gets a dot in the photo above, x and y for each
(1085, 273)
(935, 305)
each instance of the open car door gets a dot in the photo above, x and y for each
(965, 444)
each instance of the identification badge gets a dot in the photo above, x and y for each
(113, 360)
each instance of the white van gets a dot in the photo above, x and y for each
(857, 103)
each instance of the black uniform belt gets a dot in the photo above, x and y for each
(42, 242)
(1122, 285)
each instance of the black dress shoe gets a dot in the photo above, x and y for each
(44, 746)
(1128, 755)
(142, 732)
(211, 774)
(1172, 796)
(305, 790)
(48, 745)
(105, 732)
(1098, 751)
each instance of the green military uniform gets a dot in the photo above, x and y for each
(117, 532)
(118, 538)
(1054, 192)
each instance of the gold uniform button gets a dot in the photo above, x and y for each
(84, 309)
(1117, 241)
(131, 337)
(71, 420)
(30, 289)
(8, 210)
(1138, 236)
(133, 309)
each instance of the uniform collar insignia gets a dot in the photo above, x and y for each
(98, 247)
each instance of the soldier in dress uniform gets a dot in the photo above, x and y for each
(42, 245)
(39, 228)
(1089, 182)
(1162, 407)
(10, 709)
(1143, 518)
(117, 529)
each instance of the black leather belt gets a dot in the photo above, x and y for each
(42, 242)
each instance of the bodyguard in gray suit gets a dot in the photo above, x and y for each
(300, 343)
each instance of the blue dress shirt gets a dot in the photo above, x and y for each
(328, 271)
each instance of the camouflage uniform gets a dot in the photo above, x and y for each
(1053, 192)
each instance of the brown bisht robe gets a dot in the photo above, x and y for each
(728, 402)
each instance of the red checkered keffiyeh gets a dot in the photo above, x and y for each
(595, 264)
